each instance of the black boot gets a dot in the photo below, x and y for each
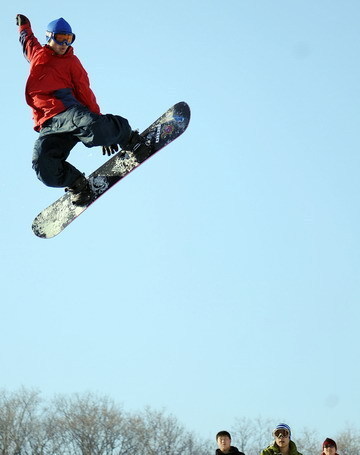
(81, 193)
(139, 146)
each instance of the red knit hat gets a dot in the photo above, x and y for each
(329, 442)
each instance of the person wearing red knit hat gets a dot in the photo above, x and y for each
(329, 447)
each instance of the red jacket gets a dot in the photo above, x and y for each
(56, 82)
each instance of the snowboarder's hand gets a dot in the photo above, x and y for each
(110, 149)
(21, 20)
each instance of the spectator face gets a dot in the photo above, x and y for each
(224, 443)
(282, 439)
(329, 449)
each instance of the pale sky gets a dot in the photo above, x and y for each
(220, 279)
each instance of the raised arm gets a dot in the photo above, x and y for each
(27, 39)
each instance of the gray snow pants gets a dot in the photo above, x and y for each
(62, 132)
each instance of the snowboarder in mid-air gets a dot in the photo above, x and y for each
(65, 110)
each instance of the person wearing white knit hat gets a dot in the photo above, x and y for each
(282, 445)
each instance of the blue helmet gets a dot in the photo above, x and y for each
(58, 26)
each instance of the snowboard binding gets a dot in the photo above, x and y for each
(139, 145)
(81, 192)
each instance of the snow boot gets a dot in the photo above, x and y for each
(81, 193)
(139, 146)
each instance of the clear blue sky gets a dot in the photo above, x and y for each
(221, 279)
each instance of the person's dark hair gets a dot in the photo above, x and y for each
(329, 442)
(223, 433)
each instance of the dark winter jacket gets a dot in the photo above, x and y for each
(56, 82)
(233, 450)
(274, 450)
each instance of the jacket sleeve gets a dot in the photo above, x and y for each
(28, 41)
(82, 90)
(266, 452)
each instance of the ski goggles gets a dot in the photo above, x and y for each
(281, 433)
(63, 38)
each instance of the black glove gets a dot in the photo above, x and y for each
(21, 20)
(110, 149)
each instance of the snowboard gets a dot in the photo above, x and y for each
(55, 218)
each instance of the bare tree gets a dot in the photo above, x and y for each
(161, 434)
(308, 442)
(243, 433)
(44, 439)
(18, 416)
(88, 424)
(252, 436)
(348, 442)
